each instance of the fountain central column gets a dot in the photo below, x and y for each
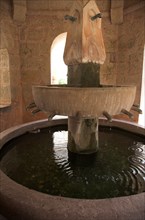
(83, 132)
(84, 52)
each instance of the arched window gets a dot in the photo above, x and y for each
(58, 67)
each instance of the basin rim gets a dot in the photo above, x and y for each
(26, 203)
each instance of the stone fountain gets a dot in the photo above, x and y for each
(84, 99)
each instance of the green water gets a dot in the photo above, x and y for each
(42, 162)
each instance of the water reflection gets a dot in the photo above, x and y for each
(41, 161)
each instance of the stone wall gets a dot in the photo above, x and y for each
(28, 37)
(131, 41)
(9, 42)
(36, 38)
(108, 69)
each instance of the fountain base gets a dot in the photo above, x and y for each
(82, 135)
(15, 199)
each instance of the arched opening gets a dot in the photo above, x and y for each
(58, 67)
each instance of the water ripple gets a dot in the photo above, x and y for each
(43, 163)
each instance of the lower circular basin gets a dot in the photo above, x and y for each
(19, 202)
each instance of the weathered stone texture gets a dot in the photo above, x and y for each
(117, 11)
(10, 69)
(131, 39)
(29, 46)
(36, 38)
(5, 89)
(19, 10)
(130, 48)
(108, 69)
(117, 16)
(129, 3)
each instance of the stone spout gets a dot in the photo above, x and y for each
(84, 42)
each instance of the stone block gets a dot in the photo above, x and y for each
(65, 5)
(9, 28)
(7, 41)
(110, 35)
(29, 49)
(15, 77)
(35, 34)
(103, 5)
(4, 5)
(5, 96)
(108, 74)
(15, 62)
(117, 16)
(117, 11)
(19, 10)
(136, 63)
(5, 77)
(44, 48)
(4, 58)
(22, 34)
(31, 62)
(123, 56)
(113, 57)
(124, 67)
(117, 4)
(27, 92)
(38, 5)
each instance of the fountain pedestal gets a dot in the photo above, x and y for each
(83, 132)
(84, 51)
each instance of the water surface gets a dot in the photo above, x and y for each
(41, 161)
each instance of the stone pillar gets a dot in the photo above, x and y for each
(84, 75)
(84, 52)
(83, 132)
(82, 135)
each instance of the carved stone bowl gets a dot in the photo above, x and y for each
(85, 102)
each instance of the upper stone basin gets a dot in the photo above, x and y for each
(84, 102)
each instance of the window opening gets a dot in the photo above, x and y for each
(58, 67)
